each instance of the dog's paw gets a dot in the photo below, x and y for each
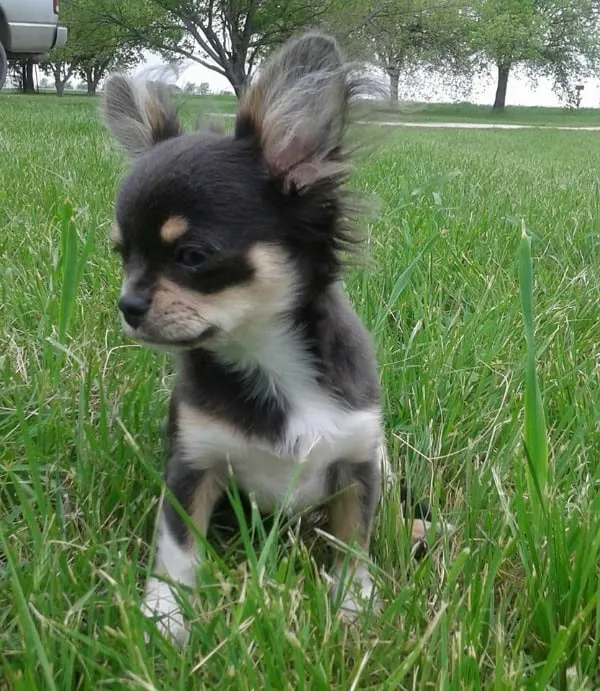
(161, 605)
(357, 593)
(421, 530)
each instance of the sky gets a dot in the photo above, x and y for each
(520, 91)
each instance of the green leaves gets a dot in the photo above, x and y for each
(402, 34)
(557, 38)
(93, 46)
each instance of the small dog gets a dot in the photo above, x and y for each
(232, 250)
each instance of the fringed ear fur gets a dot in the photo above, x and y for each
(296, 109)
(139, 115)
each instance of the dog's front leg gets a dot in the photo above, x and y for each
(197, 492)
(355, 491)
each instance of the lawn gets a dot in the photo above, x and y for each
(406, 111)
(438, 112)
(511, 600)
(469, 112)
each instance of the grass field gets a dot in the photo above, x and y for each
(510, 601)
(411, 112)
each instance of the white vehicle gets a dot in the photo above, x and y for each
(28, 29)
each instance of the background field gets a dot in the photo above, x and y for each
(405, 112)
(505, 603)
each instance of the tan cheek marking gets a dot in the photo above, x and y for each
(116, 236)
(170, 297)
(270, 291)
(173, 228)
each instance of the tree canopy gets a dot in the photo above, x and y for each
(228, 37)
(91, 50)
(403, 34)
(555, 38)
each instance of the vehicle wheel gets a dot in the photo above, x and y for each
(3, 65)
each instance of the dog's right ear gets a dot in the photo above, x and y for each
(139, 115)
(296, 111)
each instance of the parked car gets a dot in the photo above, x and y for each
(28, 29)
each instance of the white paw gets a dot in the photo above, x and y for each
(358, 594)
(161, 605)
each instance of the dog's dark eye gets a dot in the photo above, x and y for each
(191, 257)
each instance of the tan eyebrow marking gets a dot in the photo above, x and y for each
(115, 235)
(173, 228)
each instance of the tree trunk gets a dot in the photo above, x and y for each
(95, 75)
(28, 84)
(90, 81)
(238, 86)
(60, 86)
(500, 100)
(236, 74)
(394, 75)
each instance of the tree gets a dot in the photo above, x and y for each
(228, 37)
(91, 51)
(557, 38)
(404, 34)
(60, 67)
(95, 61)
(21, 73)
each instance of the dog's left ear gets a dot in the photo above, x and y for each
(296, 110)
(139, 115)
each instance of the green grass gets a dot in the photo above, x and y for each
(537, 116)
(511, 600)
(469, 112)
(438, 112)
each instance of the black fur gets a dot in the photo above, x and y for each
(341, 347)
(220, 186)
(182, 481)
(238, 397)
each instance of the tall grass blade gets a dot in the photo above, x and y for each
(72, 265)
(536, 441)
(28, 627)
(400, 284)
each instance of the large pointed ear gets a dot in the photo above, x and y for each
(296, 109)
(139, 115)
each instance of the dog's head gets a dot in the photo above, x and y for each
(218, 232)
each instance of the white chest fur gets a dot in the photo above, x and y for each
(319, 430)
(293, 474)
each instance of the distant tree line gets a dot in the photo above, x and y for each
(559, 39)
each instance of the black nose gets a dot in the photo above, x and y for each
(134, 307)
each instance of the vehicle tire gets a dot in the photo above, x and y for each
(3, 65)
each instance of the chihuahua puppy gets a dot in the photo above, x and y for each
(232, 250)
